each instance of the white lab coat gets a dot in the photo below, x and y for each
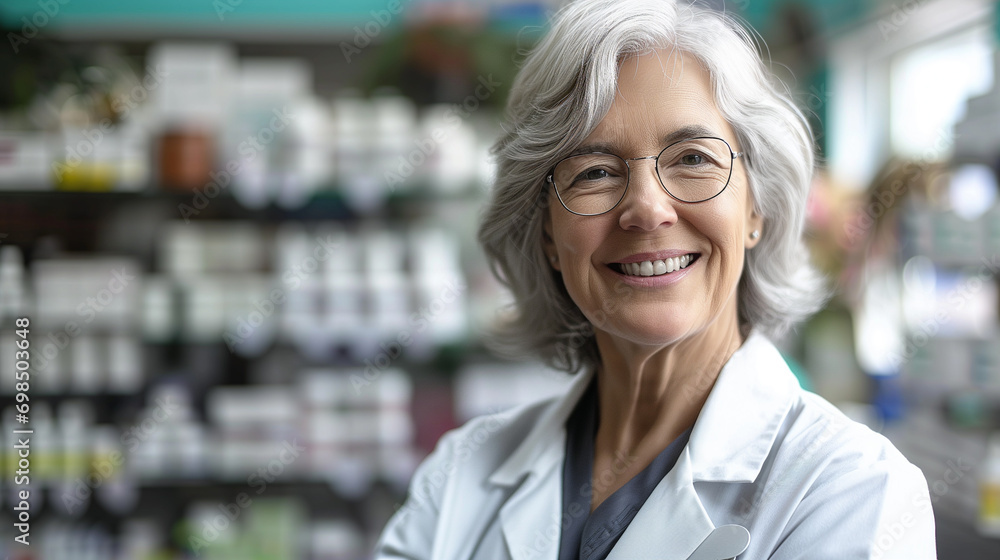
(807, 482)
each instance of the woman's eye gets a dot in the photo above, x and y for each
(593, 175)
(693, 159)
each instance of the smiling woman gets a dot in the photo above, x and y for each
(647, 218)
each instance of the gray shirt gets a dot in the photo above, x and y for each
(591, 536)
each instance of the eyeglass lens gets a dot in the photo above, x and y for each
(691, 171)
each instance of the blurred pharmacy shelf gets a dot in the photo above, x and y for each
(254, 306)
(948, 356)
(953, 460)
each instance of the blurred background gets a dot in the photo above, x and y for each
(243, 233)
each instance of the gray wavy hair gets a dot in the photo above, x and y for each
(565, 88)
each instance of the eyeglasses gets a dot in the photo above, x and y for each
(691, 170)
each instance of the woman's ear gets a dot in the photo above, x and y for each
(548, 243)
(754, 229)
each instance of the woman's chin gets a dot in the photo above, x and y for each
(650, 332)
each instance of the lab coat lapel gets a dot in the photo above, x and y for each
(671, 523)
(531, 518)
(740, 420)
(729, 442)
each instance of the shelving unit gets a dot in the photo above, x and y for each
(950, 366)
(364, 435)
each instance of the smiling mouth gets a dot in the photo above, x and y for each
(655, 268)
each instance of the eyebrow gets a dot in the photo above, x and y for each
(688, 131)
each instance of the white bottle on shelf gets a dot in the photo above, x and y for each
(74, 422)
(117, 491)
(140, 538)
(124, 364)
(354, 140)
(159, 321)
(7, 361)
(394, 143)
(88, 364)
(13, 289)
(45, 448)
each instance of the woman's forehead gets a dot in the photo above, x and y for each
(663, 67)
(661, 96)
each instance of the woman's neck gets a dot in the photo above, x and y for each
(649, 396)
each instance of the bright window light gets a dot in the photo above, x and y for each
(972, 191)
(930, 85)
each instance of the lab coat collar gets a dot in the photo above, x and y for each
(744, 412)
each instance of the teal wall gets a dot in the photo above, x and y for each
(828, 14)
(195, 11)
(996, 20)
(220, 14)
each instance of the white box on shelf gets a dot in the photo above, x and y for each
(25, 159)
(79, 294)
(197, 81)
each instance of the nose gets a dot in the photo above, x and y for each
(646, 205)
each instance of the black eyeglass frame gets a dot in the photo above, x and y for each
(628, 174)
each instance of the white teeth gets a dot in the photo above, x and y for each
(656, 268)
